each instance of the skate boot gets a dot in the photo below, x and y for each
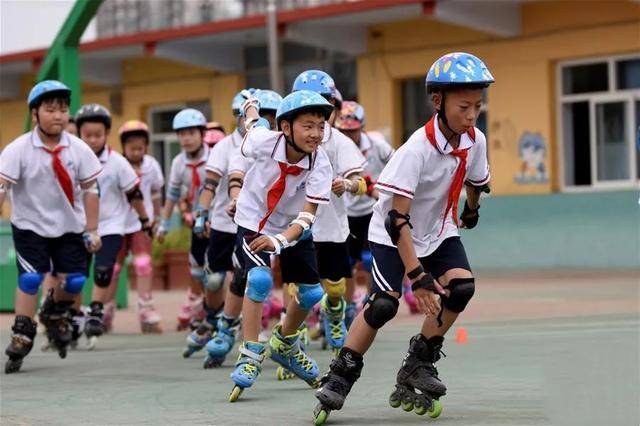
(24, 331)
(46, 308)
(343, 372)
(335, 330)
(109, 315)
(59, 327)
(77, 324)
(201, 335)
(189, 311)
(350, 313)
(418, 387)
(94, 326)
(290, 354)
(281, 372)
(248, 368)
(222, 341)
(148, 316)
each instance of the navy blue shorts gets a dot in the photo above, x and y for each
(108, 253)
(388, 270)
(220, 251)
(297, 263)
(358, 232)
(34, 253)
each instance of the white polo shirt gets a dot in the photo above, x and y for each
(151, 180)
(219, 161)
(377, 152)
(423, 173)
(313, 184)
(331, 223)
(38, 201)
(180, 175)
(117, 178)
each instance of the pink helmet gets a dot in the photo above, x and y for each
(351, 116)
(213, 136)
(133, 126)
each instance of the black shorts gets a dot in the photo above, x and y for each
(65, 254)
(388, 269)
(358, 232)
(198, 251)
(108, 253)
(220, 251)
(297, 263)
(333, 260)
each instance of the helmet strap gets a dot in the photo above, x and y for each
(291, 141)
(443, 116)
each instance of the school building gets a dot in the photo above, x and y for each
(561, 118)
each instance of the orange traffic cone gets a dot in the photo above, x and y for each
(461, 336)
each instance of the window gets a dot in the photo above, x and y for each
(417, 108)
(599, 106)
(164, 142)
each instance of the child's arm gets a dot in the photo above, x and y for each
(135, 198)
(200, 228)
(424, 287)
(4, 188)
(91, 209)
(296, 230)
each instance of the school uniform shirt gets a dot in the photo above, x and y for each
(425, 173)
(117, 178)
(331, 223)
(189, 174)
(219, 161)
(39, 203)
(312, 184)
(151, 180)
(377, 151)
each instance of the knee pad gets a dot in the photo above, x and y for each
(239, 283)
(461, 291)
(74, 282)
(308, 295)
(259, 283)
(29, 282)
(367, 260)
(335, 289)
(102, 275)
(381, 308)
(214, 281)
(142, 265)
(199, 275)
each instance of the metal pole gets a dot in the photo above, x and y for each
(275, 71)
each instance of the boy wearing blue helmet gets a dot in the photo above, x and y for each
(213, 221)
(331, 229)
(54, 217)
(187, 171)
(274, 211)
(414, 231)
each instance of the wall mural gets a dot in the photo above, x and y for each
(532, 150)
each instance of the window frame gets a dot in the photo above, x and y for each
(167, 138)
(628, 96)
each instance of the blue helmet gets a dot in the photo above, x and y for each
(48, 88)
(316, 81)
(457, 69)
(269, 100)
(238, 99)
(189, 117)
(298, 102)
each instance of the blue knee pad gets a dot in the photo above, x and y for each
(74, 282)
(199, 275)
(259, 283)
(29, 282)
(367, 260)
(309, 295)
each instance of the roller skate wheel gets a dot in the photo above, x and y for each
(62, 352)
(394, 401)
(12, 366)
(436, 409)
(321, 416)
(420, 409)
(235, 393)
(284, 374)
(91, 342)
(407, 406)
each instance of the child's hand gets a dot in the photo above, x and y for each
(427, 292)
(262, 243)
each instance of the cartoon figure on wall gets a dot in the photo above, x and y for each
(532, 150)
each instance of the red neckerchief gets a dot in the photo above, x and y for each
(277, 189)
(61, 173)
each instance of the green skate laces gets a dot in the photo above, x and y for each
(336, 329)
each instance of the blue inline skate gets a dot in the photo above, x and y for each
(248, 368)
(289, 352)
(222, 341)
